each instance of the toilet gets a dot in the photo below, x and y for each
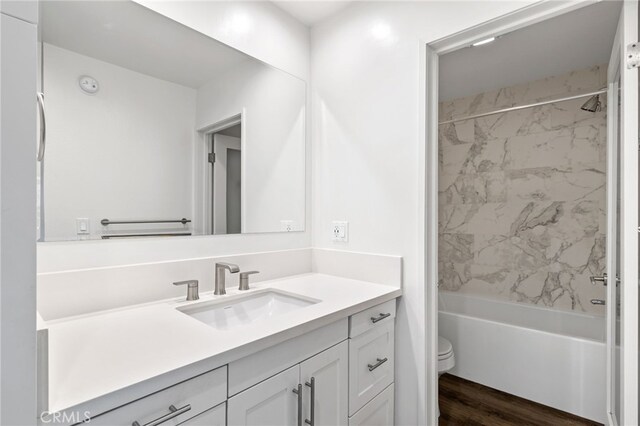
(446, 358)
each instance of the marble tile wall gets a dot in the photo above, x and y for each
(522, 195)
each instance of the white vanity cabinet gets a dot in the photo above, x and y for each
(313, 392)
(340, 374)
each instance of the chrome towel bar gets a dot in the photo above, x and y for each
(106, 222)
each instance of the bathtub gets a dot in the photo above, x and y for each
(552, 357)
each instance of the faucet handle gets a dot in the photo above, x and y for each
(192, 289)
(244, 279)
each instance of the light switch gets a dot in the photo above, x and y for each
(340, 231)
(82, 225)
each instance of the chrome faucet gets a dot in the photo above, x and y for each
(220, 287)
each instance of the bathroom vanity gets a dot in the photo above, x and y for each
(308, 349)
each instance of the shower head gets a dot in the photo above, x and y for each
(592, 105)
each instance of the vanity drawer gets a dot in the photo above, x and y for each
(378, 412)
(366, 320)
(371, 368)
(188, 399)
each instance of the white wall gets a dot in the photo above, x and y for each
(286, 47)
(366, 148)
(18, 75)
(86, 173)
(273, 104)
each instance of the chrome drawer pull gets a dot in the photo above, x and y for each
(312, 385)
(377, 364)
(298, 392)
(379, 318)
(173, 413)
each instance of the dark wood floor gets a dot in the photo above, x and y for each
(466, 403)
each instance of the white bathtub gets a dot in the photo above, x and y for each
(552, 357)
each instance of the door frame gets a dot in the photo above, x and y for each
(628, 225)
(430, 51)
(611, 250)
(204, 174)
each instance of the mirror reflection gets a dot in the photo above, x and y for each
(154, 129)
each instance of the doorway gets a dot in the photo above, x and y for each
(224, 177)
(467, 191)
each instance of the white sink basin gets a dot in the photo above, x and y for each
(242, 310)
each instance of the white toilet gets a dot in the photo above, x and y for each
(446, 358)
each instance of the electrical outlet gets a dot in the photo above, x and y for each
(340, 231)
(286, 225)
(82, 228)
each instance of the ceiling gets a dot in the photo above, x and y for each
(569, 42)
(131, 36)
(311, 12)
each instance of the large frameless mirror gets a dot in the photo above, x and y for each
(154, 129)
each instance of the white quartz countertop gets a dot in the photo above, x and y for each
(92, 357)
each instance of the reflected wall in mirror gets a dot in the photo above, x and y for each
(152, 123)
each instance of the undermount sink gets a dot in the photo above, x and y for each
(242, 310)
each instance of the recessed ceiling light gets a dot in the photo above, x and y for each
(485, 41)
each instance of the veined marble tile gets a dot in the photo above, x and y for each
(498, 251)
(490, 218)
(475, 189)
(584, 218)
(555, 183)
(587, 254)
(453, 276)
(492, 281)
(547, 288)
(522, 207)
(454, 156)
(456, 248)
(557, 148)
(461, 132)
(520, 122)
(480, 157)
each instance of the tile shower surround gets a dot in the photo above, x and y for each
(522, 204)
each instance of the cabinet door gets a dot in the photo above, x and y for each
(269, 403)
(328, 373)
(217, 416)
